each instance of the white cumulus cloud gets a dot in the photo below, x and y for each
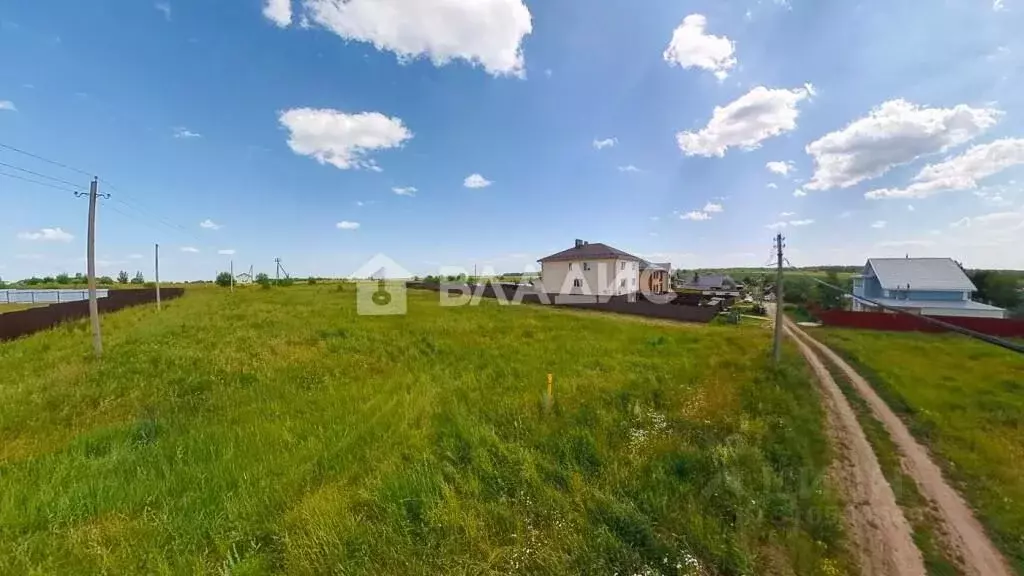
(190, 249)
(476, 181)
(773, 185)
(342, 140)
(711, 207)
(488, 33)
(878, 224)
(690, 47)
(278, 11)
(801, 222)
(405, 191)
(606, 143)
(210, 225)
(799, 193)
(895, 133)
(961, 172)
(47, 235)
(346, 225)
(628, 168)
(780, 168)
(8, 105)
(226, 252)
(695, 215)
(752, 118)
(786, 214)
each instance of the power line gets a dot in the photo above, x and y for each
(133, 204)
(952, 327)
(41, 175)
(44, 159)
(38, 183)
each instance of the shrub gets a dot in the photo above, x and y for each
(263, 280)
(311, 280)
(223, 279)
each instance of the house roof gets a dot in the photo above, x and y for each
(666, 266)
(590, 251)
(920, 274)
(708, 281)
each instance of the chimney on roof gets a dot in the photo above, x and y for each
(579, 243)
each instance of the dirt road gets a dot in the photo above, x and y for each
(961, 530)
(880, 532)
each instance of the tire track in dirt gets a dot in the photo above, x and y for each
(881, 534)
(961, 530)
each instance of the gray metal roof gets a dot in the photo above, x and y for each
(591, 251)
(920, 274)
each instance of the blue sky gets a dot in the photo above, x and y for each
(680, 131)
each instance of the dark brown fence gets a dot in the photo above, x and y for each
(905, 323)
(24, 322)
(618, 304)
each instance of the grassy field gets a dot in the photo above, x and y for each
(965, 400)
(275, 431)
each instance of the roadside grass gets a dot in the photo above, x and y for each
(916, 508)
(962, 398)
(276, 431)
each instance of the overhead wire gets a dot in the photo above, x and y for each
(38, 183)
(44, 159)
(130, 202)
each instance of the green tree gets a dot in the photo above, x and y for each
(102, 280)
(48, 280)
(63, 278)
(223, 279)
(997, 288)
(830, 298)
(122, 277)
(138, 279)
(263, 280)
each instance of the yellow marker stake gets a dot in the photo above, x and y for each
(550, 382)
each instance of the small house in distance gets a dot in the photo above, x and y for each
(654, 276)
(926, 286)
(721, 285)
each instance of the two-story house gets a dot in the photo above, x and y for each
(592, 269)
(927, 286)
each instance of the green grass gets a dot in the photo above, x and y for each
(275, 431)
(922, 519)
(965, 400)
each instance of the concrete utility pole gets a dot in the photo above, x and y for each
(232, 275)
(90, 256)
(156, 265)
(777, 343)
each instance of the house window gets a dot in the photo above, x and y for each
(577, 283)
(622, 265)
(586, 266)
(622, 284)
(570, 265)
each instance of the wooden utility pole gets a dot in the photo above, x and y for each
(232, 275)
(777, 342)
(94, 311)
(156, 264)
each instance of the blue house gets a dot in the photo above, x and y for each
(927, 286)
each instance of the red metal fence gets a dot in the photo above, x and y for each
(24, 322)
(905, 323)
